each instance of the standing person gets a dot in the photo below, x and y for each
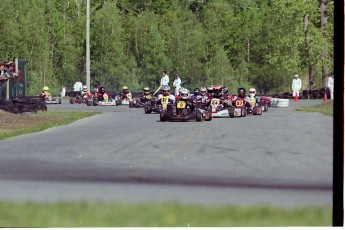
(165, 78)
(330, 85)
(296, 85)
(177, 84)
(63, 91)
(78, 86)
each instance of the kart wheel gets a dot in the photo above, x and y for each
(243, 113)
(130, 104)
(89, 103)
(265, 107)
(59, 101)
(198, 116)
(232, 113)
(72, 100)
(259, 110)
(162, 116)
(255, 111)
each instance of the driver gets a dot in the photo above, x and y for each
(100, 93)
(125, 93)
(146, 95)
(166, 93)
(241, 93)
(45, 93)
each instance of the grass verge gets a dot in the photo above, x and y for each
(48, 119)
(324, 108)
(157, 215)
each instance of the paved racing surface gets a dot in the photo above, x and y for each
(281, 158)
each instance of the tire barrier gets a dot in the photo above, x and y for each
(279, 102)
(23, 105)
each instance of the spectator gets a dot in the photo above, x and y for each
(165, 78)
(330, 85)
(177, 84)
(78, 86)
(63, 91)
(296, 86)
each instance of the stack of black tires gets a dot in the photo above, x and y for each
(23, 105)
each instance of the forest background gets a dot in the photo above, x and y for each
(247, 43)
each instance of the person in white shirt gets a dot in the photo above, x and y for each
(330, 85)
(165, 78)
(296, 86)
(63, 91)
(78, 86)
(177, 84)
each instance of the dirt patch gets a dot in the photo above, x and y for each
(10, 121)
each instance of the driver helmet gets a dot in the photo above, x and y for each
(203, 91)
(185, 94)
(146, 90)
(166, 90)
(217, 90)
(102, 89)
(84, 88)
(45, 88)
(210, 89)
(196, 91)
(252, 92)
(241, 92)
(125, 89)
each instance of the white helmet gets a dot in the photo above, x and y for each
(84, 88)
(184, 93)
(252, 92)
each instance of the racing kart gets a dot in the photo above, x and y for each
(180, 111)
(106, 101)
(153, 106)
(49, 100)
(136, 102)
(238, 109)
(218, 108)
(76, 98)
(254, 108)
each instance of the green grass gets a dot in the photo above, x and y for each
(324, 108)
(157, 215)
(60, 118)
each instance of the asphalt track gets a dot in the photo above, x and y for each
(281, 158)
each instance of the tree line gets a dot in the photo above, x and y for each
(248, 43)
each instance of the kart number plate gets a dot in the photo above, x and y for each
(214, 103)
(181, 105)
(239, 103)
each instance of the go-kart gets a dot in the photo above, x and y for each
(136, 102)
(105, 102)
(180, 111)
(219, 109)
(254, 108)
(76, 98)
(126, 99)
(238, 109)
(48, 99)
(153, 106)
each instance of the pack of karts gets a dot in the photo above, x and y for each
(182, 111)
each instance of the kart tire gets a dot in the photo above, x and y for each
(198, 116)
(162, 116)
(89, 103)
(130, 104)
(59, 101)
(232, 112)
(72, 100)
(243, 112)
(148, 109)
(265, 107)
